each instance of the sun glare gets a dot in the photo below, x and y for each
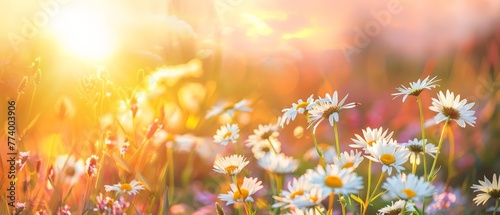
(82, 32)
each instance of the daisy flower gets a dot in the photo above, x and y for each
(131, 188)
(370, 136)
(278, 163)
(450, 107)
(263, 133)
(295, 189)
(488, 190)
(348, 160)
(328, 108)
(180, 143)
(416, 87)
(389, 154)
(300, 107)
(185, 143)
(231, 165)
(329, 153)
(336, 180)
(416, 148)
(396, 208)
(264, 147)
(308, 199)
(227, 133)
(409, 187)
(242, 194)
(69, 169)
(229, 108)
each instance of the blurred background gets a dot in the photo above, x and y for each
(186, 56)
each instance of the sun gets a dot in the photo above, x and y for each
(81, 31)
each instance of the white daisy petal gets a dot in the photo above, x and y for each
(450, 107)
(327, 108)
(409, 187)
(416, 87)
(489, 190)
(243, 193)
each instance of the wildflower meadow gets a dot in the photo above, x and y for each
(249, 108)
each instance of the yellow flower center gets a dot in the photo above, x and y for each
(313, 198)
(302, 105)
(170, 138)
(416, 92)
(415, 148)
(227, 135)
(494, 193)
(70, 171)
(266, 135)
(228, 107)
(110, 203)
(265, 149)
(126, 187)
(240, 194)
(230, 169)
(387, 159)
(371, 142)
(451, 112)
(348, 165)
(330, 111)
(297, 193)
(410, 193)
(333, 181)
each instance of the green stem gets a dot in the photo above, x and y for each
(316, 210)
(321, 156)
(496, 207)
(343, 209)
(279, 183)
(422, 126)
(451, 157)
(378, 185)
(272, 146)
(250, 207)
(439, 148)
(403, 210)
(279, 186)
(414, 164)
(236, 148)
(171, 185)
(87, 194)
(238, 187)
(423, 204)
(186, 174)
(330, 202)
(337, 144)
(369, 185)
(31, 102)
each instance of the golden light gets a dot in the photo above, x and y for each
(258, 27)
(82, 32)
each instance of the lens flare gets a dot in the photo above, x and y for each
(82, 32)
